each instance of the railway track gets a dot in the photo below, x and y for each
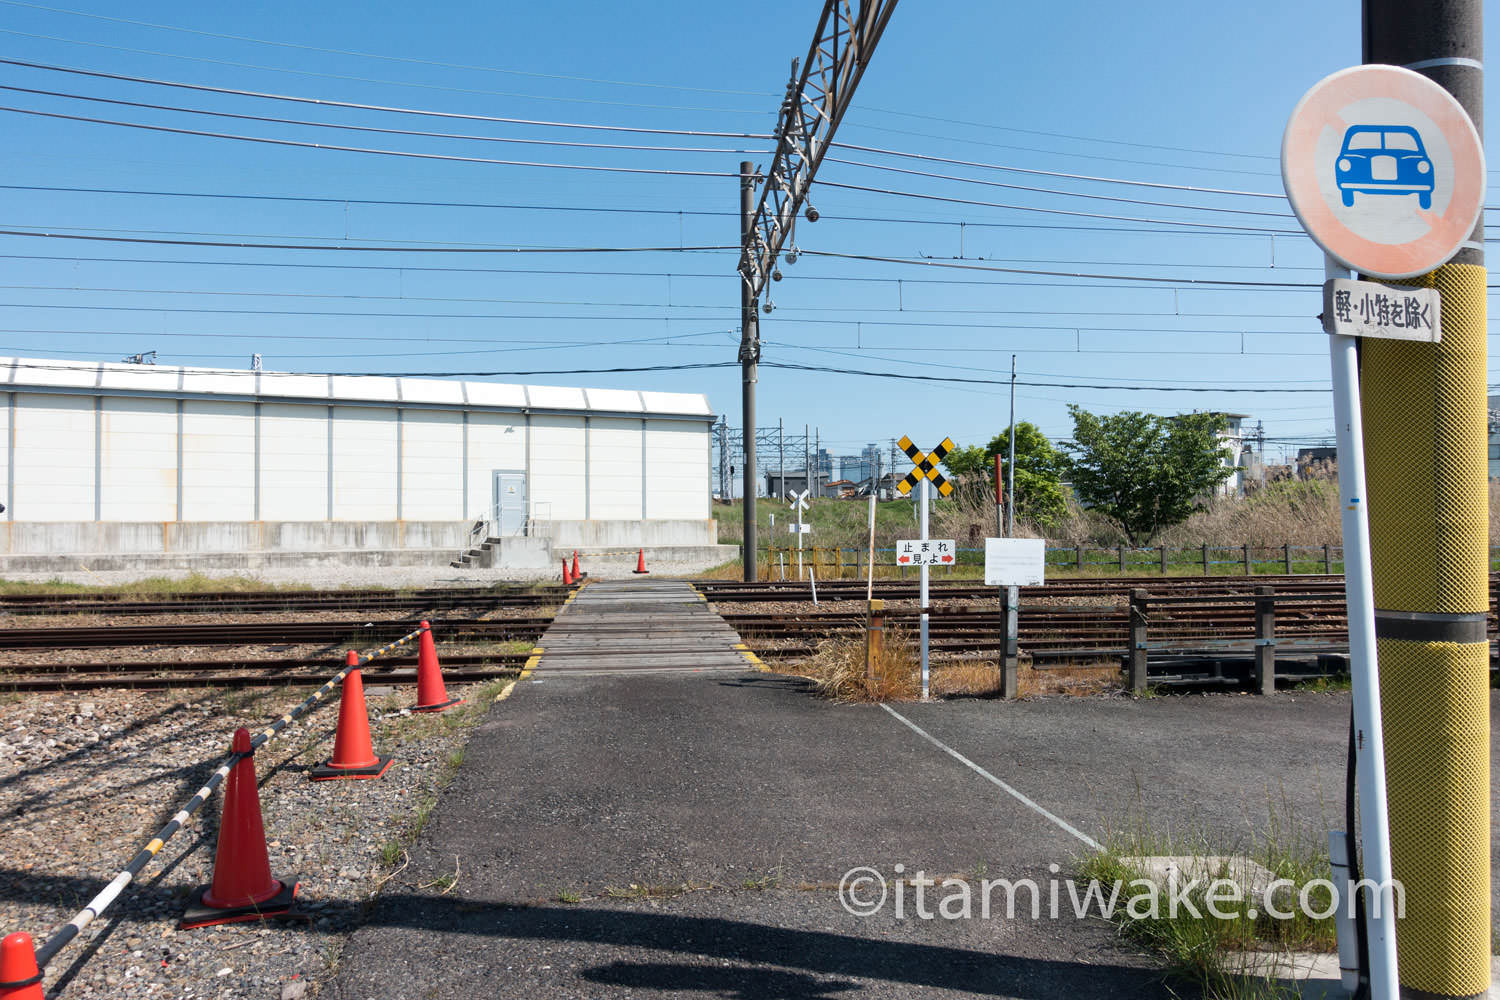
(150, 675)
(273, 602)
(353, 632)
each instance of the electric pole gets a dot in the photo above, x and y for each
(749, 365)
(1010, 481)
(1425, 426)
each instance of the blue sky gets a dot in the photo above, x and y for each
(1183, 94)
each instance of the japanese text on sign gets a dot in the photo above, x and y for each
(932, 552)
(1370, 309)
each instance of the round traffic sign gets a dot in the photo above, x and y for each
(1384, 170)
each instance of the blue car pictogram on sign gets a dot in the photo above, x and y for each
(1384, 159)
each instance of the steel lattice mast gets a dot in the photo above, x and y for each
(815, 103)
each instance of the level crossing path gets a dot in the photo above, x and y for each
(616, 626)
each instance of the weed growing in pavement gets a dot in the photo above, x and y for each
(1236, 955)
(1320, 685)
(568, 896)
(390, 853)
(838, 668)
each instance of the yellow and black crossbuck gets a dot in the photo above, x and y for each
(926, 466)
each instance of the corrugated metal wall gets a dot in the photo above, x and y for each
(85, 457)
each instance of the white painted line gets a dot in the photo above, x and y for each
(1013, 793)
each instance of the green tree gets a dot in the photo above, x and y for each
(1038, 472)
(967, 463)
(1148, 472)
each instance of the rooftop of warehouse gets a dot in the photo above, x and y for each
(174, 380)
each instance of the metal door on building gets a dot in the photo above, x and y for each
(509, 512)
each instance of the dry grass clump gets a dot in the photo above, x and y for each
(838, 668)
(1080, 680)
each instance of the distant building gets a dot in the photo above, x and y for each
(1313, 461)
(1239, 457)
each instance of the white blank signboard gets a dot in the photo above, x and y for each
(1014, 562)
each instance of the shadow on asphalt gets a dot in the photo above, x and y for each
(811, 956)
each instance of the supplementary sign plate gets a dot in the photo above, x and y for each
(933, 552)
(799, 529)
(1014, 562)
(1384, 170)
(1370, 309)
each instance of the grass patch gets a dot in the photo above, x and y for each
(838, 668)
(154, 586)
(1228, 956)
(1319, 685)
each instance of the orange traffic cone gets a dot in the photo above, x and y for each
(576, 575)
(640, 561)
(567, 577)
(243, 888)
(431, 695)
(353, 754)
(20, 979)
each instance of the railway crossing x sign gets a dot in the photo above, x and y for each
(926, 466)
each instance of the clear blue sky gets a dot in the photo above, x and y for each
(1181, 93)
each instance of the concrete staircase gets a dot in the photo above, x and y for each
(480, 555)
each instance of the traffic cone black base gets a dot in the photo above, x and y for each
(280, 906)
(327, 772)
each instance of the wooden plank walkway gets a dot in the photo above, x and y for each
(616, 626)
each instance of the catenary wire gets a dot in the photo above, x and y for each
(406, 154)
(392, 83)
(352, 105)
(304, 122)
(932, 175)
(343, 247)
(388, 58)
(1207, 226)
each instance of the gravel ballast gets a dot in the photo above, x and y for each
(87, 779)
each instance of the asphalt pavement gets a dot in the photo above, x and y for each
(683, 835)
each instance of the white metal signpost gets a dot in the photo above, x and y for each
(1385, 171)
(798, 503)
(926, 474)
(1014, 562)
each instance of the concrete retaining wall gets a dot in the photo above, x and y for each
(55, 538)
(632, 534)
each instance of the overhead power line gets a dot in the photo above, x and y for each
(1054, 191)
(321, 102)
(348, 247)
(365, 79)
(594, 209)
(386, 58)
(895, 283)
(1206, 226)
(304, 122)
(788, 365)
(930, 158)
(925, 262)
(360, 149)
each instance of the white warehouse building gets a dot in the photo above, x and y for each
(132, 466)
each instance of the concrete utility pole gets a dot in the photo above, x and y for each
(1010, 483)
(1425, 424)
(781, 453)
(749, 367)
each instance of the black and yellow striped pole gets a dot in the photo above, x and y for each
(1425, 440)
